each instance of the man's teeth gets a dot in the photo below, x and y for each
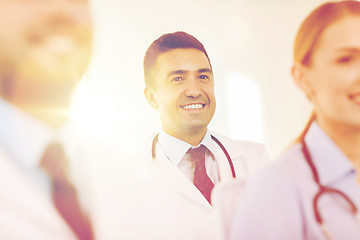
(193, 106)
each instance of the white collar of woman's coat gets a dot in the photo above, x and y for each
(330, 161)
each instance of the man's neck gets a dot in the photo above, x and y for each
(48, 102)
(193, 137)
(53, 116)
(50, 108)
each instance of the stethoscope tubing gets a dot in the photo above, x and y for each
(322, 188)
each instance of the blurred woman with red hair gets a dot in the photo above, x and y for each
(313, 190)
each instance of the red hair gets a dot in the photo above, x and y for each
(312, 27)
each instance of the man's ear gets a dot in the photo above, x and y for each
(301, 76)
(150, 96)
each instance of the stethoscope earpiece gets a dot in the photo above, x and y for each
(325, 231)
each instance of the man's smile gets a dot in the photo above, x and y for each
(193, 106)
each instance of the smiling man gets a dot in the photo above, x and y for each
(184, 93)
(180, 84)
(45, 48)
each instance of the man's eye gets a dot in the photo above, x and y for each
(204, 77)
(177, 79)
(345, 59)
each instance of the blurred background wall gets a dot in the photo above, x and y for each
(248, 41)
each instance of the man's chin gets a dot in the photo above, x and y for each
(196, 126)
(55, 71)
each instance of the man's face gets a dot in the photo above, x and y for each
(183, 91)
(44, 40)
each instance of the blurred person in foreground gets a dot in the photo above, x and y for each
(313, 190)
(45, 48)
(189, 157)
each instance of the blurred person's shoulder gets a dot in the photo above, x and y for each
(287, 170)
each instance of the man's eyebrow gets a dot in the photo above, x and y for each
(205, 70)
(176, 72)
(348, 50)
(179, 72)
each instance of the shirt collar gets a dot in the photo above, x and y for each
(23, 136)
(331, 163)
(175, 149)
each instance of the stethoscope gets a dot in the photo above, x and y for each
(155, 140)
(322, 189)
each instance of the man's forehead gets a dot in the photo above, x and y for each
(186, 59)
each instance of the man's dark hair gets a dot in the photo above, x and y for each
(165, 43)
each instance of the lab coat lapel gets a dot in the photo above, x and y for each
(237, 158)
(177, 180)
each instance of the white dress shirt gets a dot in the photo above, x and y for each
(24, 138)
(26, 204)
(176, 149)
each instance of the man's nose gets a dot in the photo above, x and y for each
(193, 88)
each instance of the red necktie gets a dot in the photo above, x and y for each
(54, 162)
(201, 179)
